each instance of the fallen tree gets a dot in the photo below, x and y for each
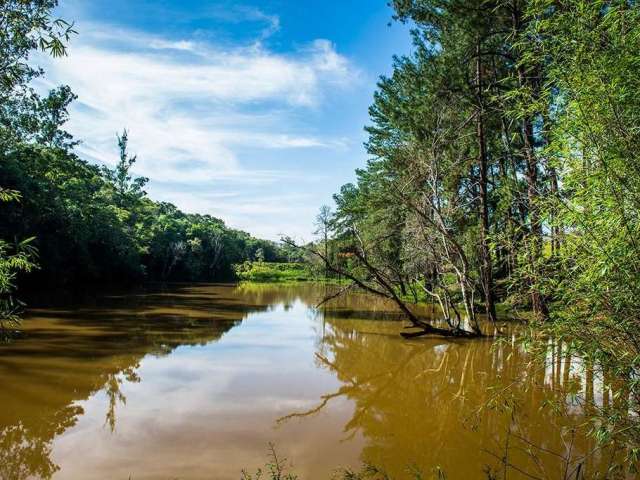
(379, 283)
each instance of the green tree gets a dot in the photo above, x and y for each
(591, 54)
(13, 260)
(323, 226)
(127, 189)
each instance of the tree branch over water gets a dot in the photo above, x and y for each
(382, 288)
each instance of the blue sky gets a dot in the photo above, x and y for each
(252, 112)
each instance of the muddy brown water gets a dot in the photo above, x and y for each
(195, 382)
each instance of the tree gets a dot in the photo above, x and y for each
(591, 55)
(323, 228)
(26, 26)
(13, 260)
(129, 191)
(504, 167)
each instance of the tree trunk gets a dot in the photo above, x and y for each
(326, 252)
(486, 263)
(555, 229)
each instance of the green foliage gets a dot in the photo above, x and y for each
(504, 165)
(128, 191)
(13, 260)
(594, 70)
(96, 225)
(275, 469)
(274, 272)
(27, 26)
(8, 195)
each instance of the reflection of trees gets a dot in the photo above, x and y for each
(23, 455)
(416, 403)
(274, 294)
(25, 447)
(114, 392)
(69, 355)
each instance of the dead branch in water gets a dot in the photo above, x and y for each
(383, 288)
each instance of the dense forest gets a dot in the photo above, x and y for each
(504, 170)
(67, 222)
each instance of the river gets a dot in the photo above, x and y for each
(195, 382)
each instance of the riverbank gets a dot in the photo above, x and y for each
(280, 272)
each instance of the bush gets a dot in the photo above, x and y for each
(273, 272)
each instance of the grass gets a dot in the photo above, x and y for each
(274, 272)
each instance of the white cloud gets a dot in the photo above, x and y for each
(189, 105)
(242, 14)
(272, 215)
(161, 44)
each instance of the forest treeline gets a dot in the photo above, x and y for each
(505, 168)
(93, 224)
(65, 222)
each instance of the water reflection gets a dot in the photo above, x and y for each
(189, 383)
(417, 403)
(68, 355)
